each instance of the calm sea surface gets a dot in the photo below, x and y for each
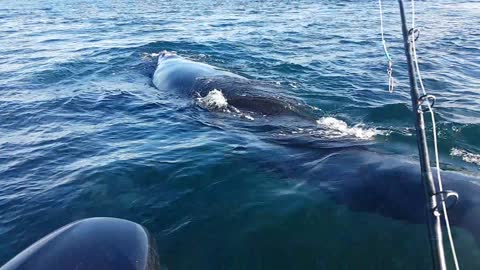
(84, 133)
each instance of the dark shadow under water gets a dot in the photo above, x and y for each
(356, 174)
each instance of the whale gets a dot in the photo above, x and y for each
(391, 186)
(374, 181)
(193, 79)
(357, 176)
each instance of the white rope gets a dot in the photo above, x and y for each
(387, 55)
(435, 144)
(381, 31)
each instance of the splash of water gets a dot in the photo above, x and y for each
(465, 155)
(214, 100)
(336, 128)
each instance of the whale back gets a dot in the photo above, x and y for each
(174, 73)
(253, 96)
(193, 79)
(179, 74)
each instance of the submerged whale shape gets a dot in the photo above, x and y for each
(389, 185)
(193, 79)
(358, 177)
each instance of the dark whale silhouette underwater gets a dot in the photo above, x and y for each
(357, 176)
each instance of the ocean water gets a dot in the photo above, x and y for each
(84, 133)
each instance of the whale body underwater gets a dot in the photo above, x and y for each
(359, 177)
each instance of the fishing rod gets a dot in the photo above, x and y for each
(432, 196)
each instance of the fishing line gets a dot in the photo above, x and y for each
(435, 143)
(387, 55)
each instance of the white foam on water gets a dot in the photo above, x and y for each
(247, 116)
(214, 100)
(336, 128)
(150, 56)
(465, 155)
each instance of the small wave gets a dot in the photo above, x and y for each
(154, 56)
(214, 100)
(336, 128)
(465, 155)
(247, 116)
(150, 56)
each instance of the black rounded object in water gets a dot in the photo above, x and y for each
(94, 243)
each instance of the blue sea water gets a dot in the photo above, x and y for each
(84, 133)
